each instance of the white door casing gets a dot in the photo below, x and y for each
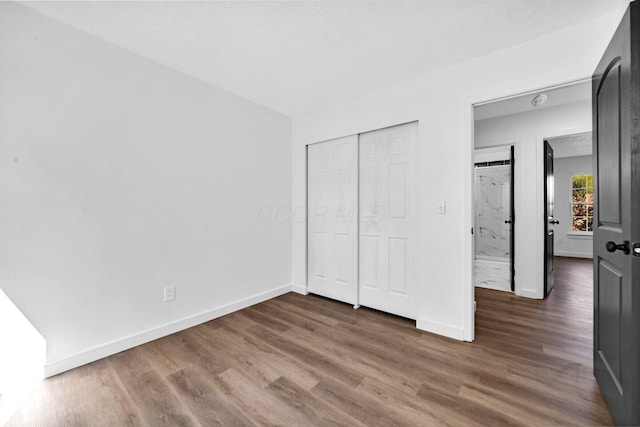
(332, 219)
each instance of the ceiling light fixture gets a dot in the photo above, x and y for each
(539, 99)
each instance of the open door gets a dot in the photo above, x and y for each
(512, 219)
(549, 221)
(616, 149)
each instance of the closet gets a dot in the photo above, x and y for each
(362, 219)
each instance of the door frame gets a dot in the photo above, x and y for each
(468, 105)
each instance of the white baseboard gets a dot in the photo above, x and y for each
(299, 289)
(573, 254)
(440, 328)
(61, 365)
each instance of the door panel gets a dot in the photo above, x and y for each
(609, 150)
(616, 108)
(609, 298)
(388, 219)
(369, 270)
(332, 219)
(398, 266)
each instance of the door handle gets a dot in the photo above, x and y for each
(624, 247)
(554, 222)
(507, 221)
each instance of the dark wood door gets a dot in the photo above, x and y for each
(549, 221)
(616, 148)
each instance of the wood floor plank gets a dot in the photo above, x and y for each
(315, 409)
(362, 406)
(156, 402)
(275, 361)
(206, 401)
(308, 361)
(240, 356)
(326, 320)
(151, 394)
(340, 354)
(307, 355)
(456, 410)
(412, 408)
(263, 407)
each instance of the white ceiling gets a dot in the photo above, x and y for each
(571, 145)
(522, 104)
(296, 57)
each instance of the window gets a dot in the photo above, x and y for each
(582, 202)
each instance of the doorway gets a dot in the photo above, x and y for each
(568, 201)
(526, 121)
(494, 218)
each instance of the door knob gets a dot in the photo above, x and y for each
(554, 222)
(507, 221)
(612, 247)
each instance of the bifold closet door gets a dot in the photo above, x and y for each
(388, 219)
(332, 219)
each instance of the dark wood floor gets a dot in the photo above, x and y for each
(305, 360)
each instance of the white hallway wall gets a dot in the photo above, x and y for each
(527, 130)
(118, 177)
(441, 101)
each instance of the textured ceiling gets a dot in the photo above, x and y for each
(295, 57)
(572, 145)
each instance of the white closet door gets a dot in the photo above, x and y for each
(332, 219)
(388, 219)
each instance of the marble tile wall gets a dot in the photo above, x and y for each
(492, 208)
(493, 274)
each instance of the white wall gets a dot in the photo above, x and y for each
(567, 243)
(528, 130)
(442, 101)
(118, 177)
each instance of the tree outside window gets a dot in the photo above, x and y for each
(582, 202)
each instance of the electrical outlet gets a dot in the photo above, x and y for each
(169, 293)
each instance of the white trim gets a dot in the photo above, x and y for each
(98, 352)
(450, 331)
(299, 289)
(573, 254)
(468, 242)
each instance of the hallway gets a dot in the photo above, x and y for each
(546, 344)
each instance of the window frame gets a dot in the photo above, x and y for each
(580, 233)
